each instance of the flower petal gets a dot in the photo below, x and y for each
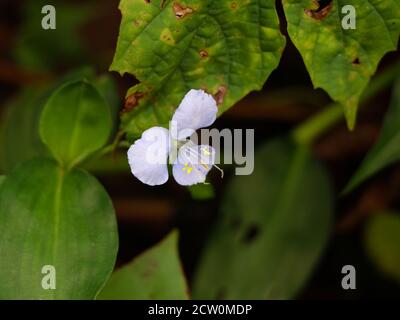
(193, 164)
(148, 156)
(198, 109)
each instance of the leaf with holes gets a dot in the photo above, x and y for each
(75, 122)
(386, 151)
(340, 60)
(156, 274)
(51, 217)
(382, 242)
(226, 47)
(273, 228)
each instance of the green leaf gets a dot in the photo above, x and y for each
(382, 243)
(155, 275)
(386, 151)
(39, 49)
(19, 138)
(75, 122)
(106, 85)
(2, 178)
(59, 218)
(19, 131)
(272, 229)
(342, 61)
(228, 48)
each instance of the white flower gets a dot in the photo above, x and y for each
(148, 156)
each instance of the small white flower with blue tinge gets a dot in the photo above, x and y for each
(148, 156)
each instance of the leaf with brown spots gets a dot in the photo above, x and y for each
(342, 61)
(180, 11)
(321, 12)
(132, 101)
(203, 53)
(220, 95)
(181, 45)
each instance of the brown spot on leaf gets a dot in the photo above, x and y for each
(152, 266)
(324, 8)
(147, 1)
(132, 101)
(180, 11)
(203, 54)
(220, 95)
(233, 5)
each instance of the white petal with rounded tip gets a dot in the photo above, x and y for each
(193, 164)
(148, 156)
(198, 109)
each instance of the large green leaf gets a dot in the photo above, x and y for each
(59, 218)
(386, 151)
(75, 122)
(273, 228)
(156, 274)
(227, 47)
(382, 242)
(342, 61)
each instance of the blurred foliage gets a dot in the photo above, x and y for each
(382, 242)
(19, 138)
(39, 49)
(272, 230)
(386, 150)
(155, 275)
(106, 85)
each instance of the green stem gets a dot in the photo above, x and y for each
(307, 132)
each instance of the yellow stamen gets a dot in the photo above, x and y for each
(187, 168)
